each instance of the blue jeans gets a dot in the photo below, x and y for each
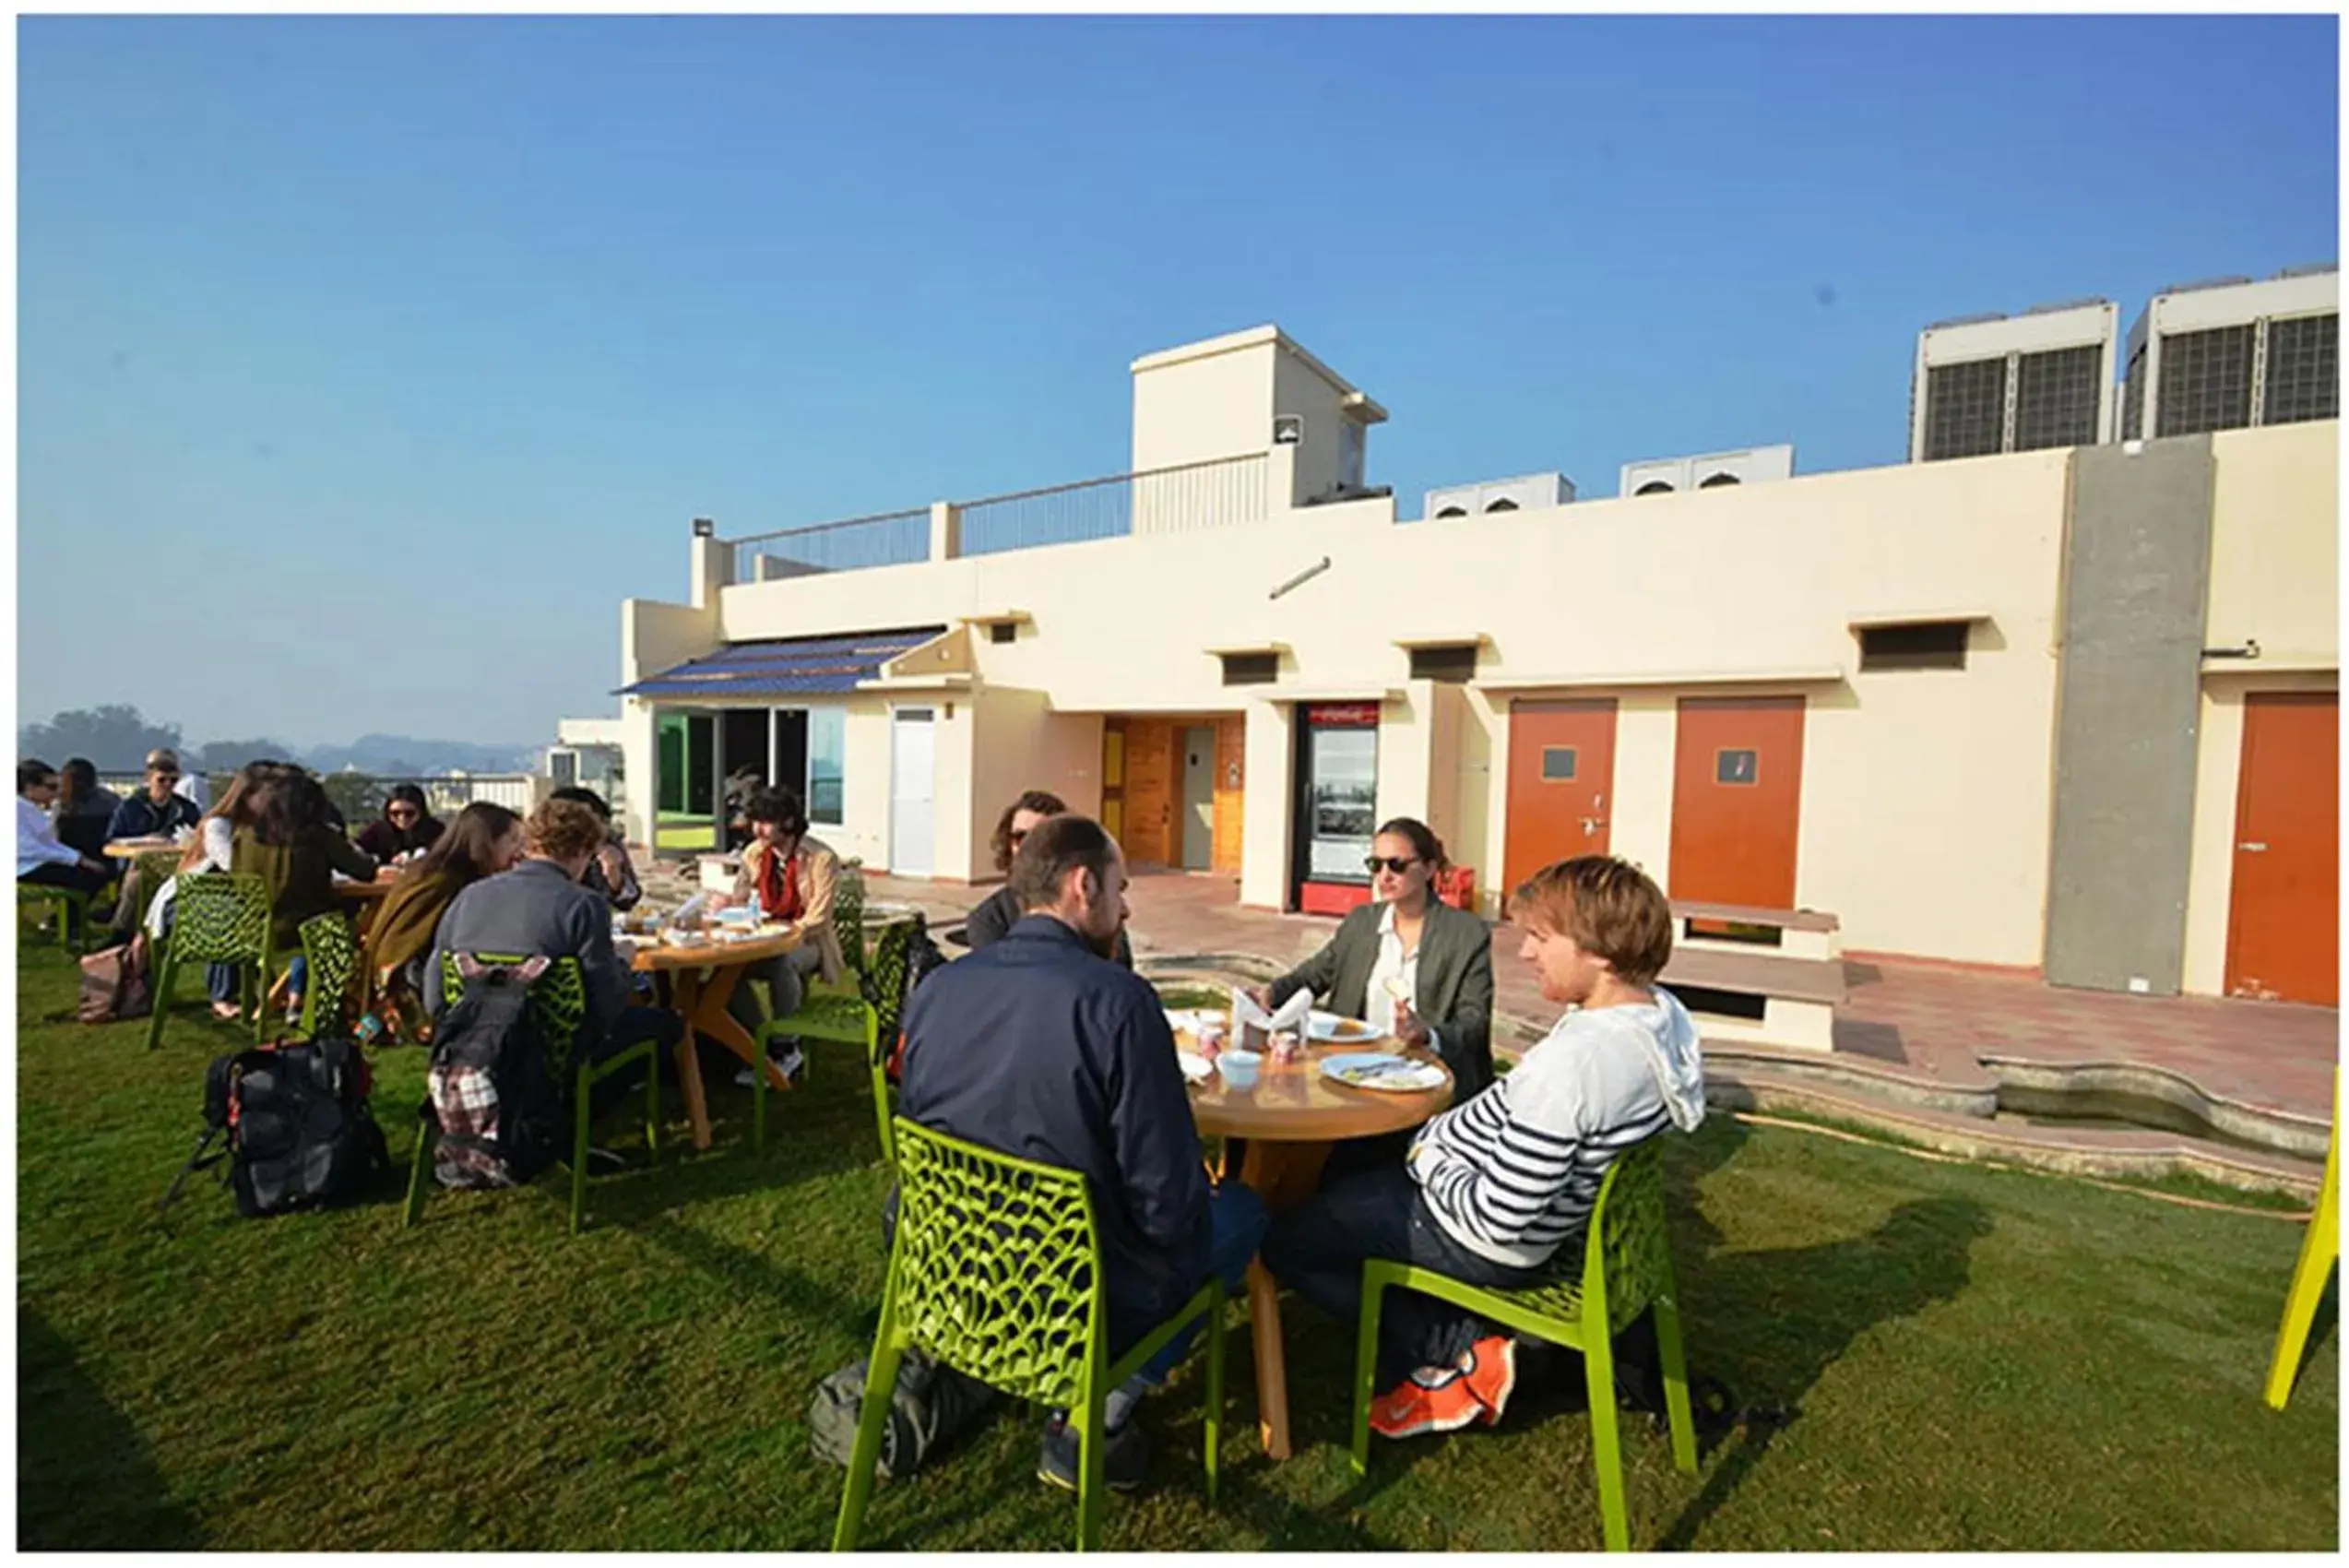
(1237, 1222)
(220, 979)
(1319, 1247)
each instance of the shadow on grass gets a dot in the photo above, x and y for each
(1811, 1304)
(2321, 1326)
(74, 1449)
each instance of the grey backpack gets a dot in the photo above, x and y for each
(930, 1405)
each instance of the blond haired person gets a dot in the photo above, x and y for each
(1494, 1189)
(539, 909)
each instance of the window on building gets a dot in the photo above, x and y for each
(1003, 631)
(2058, 396)
(1966, 410)
(562, 766)
(827, 764)
(1735, 766)
(1350, 441)
(2205, 382)
(1455, 662)
(1558, 764)
(1916, 645)
(2304, 370)
(1251, 669)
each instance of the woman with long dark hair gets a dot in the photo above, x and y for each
(406, 827)
(484, 840)
(290, 846)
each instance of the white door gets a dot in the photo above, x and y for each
(912, 792)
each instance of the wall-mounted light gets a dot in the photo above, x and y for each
(704, 528)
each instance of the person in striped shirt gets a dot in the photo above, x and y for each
(1496, 1189)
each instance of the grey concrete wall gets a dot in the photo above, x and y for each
(2137, 563)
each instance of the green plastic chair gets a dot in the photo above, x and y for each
(996, 1272)
(559, 997)
(73, 911)
(848, 1020)
(217, 918)
(847, 919)
(330, 950)
(1627, 1267)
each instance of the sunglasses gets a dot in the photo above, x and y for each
(1398, 865)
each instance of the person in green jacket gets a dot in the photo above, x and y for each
(1410, 966)
(290, 846)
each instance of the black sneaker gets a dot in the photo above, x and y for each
(793, 1064)
(1125, 1464)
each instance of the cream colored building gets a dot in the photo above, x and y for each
(1845, 692)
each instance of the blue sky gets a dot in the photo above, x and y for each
(379, 359)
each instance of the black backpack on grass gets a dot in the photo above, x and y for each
(299, 1132)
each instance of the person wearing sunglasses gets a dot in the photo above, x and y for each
(1408, 963)
(157, 811)
(991, 920)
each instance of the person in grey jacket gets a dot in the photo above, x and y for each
(539, 908)
(1408, 963)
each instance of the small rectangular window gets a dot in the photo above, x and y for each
(1251, 669)
(1557, 765)
(1920, 644)
(1003, 631)
(1734, 767)
(827, 764)
(1455, 662)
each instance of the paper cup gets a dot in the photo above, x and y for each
(1240, 1068)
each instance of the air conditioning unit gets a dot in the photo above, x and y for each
(1710, 470)
(1530, 494)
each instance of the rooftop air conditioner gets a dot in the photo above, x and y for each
(1529, 493)
(1710, 470)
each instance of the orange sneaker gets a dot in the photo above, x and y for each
(1492, 1374)
(1431, 1399)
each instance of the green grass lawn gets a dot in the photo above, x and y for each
(1979, 1358)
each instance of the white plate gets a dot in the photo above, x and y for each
(1195, 1067)
(1346, 1031)
(1382, 1070)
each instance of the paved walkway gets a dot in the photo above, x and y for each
(1918, 1019)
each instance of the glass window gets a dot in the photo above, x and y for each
(827, 762)
(1346, 791)
(1557, 764)
(1734, 767)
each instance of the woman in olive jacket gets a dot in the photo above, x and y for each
(1408, 963)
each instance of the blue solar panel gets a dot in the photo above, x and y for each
(781, 666)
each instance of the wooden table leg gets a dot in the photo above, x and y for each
(688, 1062)
(1282, 1175)
(702, 997)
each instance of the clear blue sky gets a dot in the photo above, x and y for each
(366, 364)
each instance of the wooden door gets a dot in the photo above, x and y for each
(1737, 800)
(2284, 912)
(1150, 785)
(1231, 778)
(1113, 778)
(1562, 784)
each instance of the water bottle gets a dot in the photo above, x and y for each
(758, 915)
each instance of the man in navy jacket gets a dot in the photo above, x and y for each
(1038, 1047)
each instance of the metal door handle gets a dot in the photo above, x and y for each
(2255, 848)
(1590, 827)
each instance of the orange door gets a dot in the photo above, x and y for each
(1562, 784)
(1113, 778)
(1150, 785)
(2283, 916)
(1232, 781)
(1737, 800)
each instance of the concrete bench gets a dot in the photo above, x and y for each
(1799, 934)
(1797, 992)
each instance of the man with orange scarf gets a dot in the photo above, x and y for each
(792, 875)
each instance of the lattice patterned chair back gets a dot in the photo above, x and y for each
(155, 868)
(219, 917)
(996, 1265)
(884, 982)
(558, 999)
(331, 952)
(1628, 1234)
(848, 919)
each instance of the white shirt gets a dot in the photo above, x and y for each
(37, 842)
(196, 786)
(1395, 965)
(219, 849)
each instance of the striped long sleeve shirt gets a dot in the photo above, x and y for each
(1513, 1174)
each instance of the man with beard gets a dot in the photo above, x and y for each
(1034, 1047)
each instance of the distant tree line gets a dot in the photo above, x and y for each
(116, 737)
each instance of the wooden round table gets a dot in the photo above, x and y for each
(131, 848)
(1289, 1120)
(705, 977)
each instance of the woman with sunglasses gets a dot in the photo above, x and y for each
(406, 830)
(1407, 962)
(990, 920)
